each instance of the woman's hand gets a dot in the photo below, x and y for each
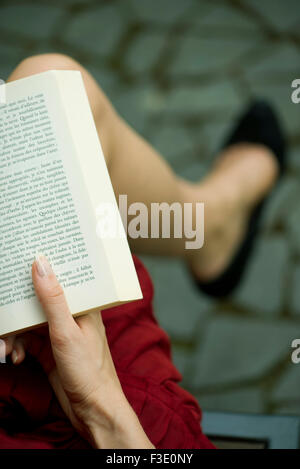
(76, 357)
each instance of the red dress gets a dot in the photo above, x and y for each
(30, 416)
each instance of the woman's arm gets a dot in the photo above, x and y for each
(77, 360)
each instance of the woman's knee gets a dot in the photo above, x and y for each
(102, 110)
(43, 62)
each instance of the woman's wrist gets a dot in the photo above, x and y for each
(114, 424)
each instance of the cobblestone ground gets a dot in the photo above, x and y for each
(179, 71)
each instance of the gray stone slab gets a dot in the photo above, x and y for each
(237, 350)
(10, 56)
(151, 264)
(194, 172)
(107, 79)
(262, 286)
(144, 52)
(76, 2)
(31, 20)
(295, 300)
(136, 104)
(96, 30)
(280, 15)
(241, 400)
(208, 55)
(213, 98)
(279, 202)
(294, 159)
(227, 19)
(289, 408)
(181, 359)
(288, 386)
(293, 224)
(274, 61)
(157, 11)
(216, 132)
(174, 143)
(181, 310)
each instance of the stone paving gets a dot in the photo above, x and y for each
(179, 71)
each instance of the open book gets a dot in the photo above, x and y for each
(53, 179)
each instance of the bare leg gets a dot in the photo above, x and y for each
(243, 175)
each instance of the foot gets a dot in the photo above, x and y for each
(243, 175)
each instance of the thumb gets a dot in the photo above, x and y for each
(51, 297)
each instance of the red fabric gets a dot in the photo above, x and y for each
(30, 416)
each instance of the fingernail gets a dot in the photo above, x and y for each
(43, 266)
(2, 351)
(14, 356)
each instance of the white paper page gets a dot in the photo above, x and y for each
(98, 184)
(44, 207)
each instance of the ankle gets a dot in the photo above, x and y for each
(218, 202)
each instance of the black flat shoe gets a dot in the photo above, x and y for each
(258, 125)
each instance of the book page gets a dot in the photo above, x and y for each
(98, 184)
(44, 207)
